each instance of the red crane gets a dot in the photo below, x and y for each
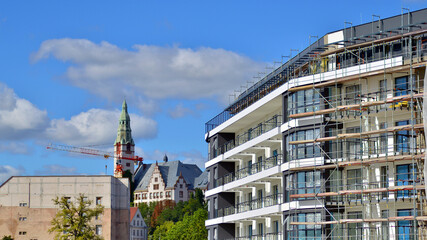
(93, 152)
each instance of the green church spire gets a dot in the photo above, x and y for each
(124, 133)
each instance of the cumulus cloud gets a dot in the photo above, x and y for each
(19, 118)
(179, 111)
(97, 126)
(7, 171)
(152, 71)
(56, 169)
(15, 147)
(194, 157)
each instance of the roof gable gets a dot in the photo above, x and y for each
(170, 172)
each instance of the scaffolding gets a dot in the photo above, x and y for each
(352, 135)
(362, 164)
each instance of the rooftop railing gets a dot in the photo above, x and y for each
(343, 60)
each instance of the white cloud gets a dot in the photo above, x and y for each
(15, 147)
(152, 71)
(55, 169)
(7, 171)
(180, 111)
(97, 126)
(19, 118)
(194, 157)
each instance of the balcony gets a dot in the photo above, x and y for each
(267, 236)
(267, 201)
(250, 170)
(248, 135)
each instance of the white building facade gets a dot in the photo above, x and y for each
(330, 145)
(167, 181)
(138, 228)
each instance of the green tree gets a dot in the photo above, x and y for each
(7, 238)
(72, 221)
(147, 212)
(192, 227)
(161, 231)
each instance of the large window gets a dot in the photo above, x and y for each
(385, 226)
(308, 231)
(98, 229)
(402, 138)
(260, 229)
(401, 86)
(303, 101)
(353, 144)
(383, 89)
(383, 139)
(384, 180)
(406, 174)
(301, 151)
(215, 207)
(303, 182)
(354, 182)
(404, 228)
(352, 95)
(355, 230)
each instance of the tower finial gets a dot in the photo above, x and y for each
(124, 105)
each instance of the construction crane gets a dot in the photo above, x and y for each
(93, 152)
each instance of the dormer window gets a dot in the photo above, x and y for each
(156, 179)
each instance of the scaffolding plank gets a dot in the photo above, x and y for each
(419, 126)
(357, 107)
(319, 167)
(354, 77)
(402, 218)
(360, 162)
(365, 191)
(314, 223)
(361, 220)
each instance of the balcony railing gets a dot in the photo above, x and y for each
(254, 204)
(267, 236)
(250, 170)
(248, 135)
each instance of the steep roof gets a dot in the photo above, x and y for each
(201, 181)
(133, 211)
(170, 173)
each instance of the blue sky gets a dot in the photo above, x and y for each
(66, 66)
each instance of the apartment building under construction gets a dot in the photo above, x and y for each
(330, 145)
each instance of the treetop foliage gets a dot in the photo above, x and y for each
(182, 220)
(73, 220)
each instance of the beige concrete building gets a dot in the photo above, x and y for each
(26, 206)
